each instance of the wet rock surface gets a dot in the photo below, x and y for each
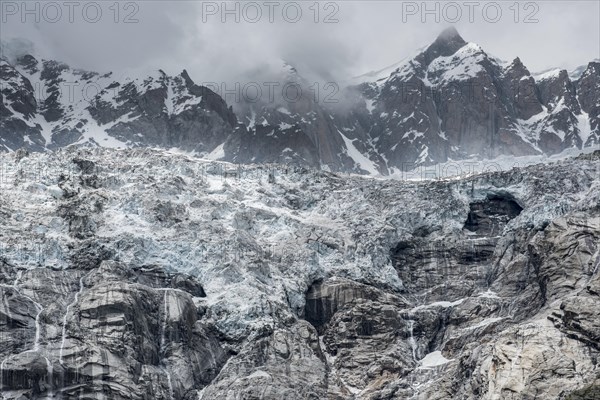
(141, 274)
(109, 332)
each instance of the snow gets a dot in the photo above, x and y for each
(485, 322)
(584, 126)
(370, 105)
(380, 74)
(462, 65)
(489, 294)
(121, 120)
(284, 110)
(218, 153)
(412, 135)
(360, 159)
(169, 100)
(578, 72)
(94, 133)
(455, 169)
(187, 104)
(55, 191)
(423, 156)
(46, 128)
(529, 130)
(259, 374)
(251, 120)
(412, 115)
(545, 75)
(442, 304)
(433, 359)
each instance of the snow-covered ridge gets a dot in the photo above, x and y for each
(462, 65)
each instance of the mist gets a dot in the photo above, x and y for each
(331, 41)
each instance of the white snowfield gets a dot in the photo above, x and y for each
(434, 359)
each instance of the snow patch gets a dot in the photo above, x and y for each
(284, 110)
(549, 74)
(434, 359)
(218, 153)
(259, 374)
(443, 304)
(360, 159)
(584, 126)
(462, 65)
(370, 105)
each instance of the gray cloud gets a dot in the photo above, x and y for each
(369, 35)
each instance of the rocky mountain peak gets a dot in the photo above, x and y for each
(593, 68)
(517, 68)
(447, 43)
(29, 63)
(450, 34)
(186, 77)
(563, 75)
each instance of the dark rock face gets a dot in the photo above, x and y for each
(364, 334)
(375, 341)
(284, 362)
(172, 112)
(558, 94)
(588, 393)
(589, 89)
(64, 106)
(298, 125)
(454, 100)
(109, 331)
(521, 91)
(323, 300)
(489, 217)
(17, 126)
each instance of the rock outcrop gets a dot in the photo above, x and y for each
(139, 274)
(106, 332)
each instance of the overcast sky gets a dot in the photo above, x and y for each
(368, 35)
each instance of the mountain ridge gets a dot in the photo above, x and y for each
(449, 102)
